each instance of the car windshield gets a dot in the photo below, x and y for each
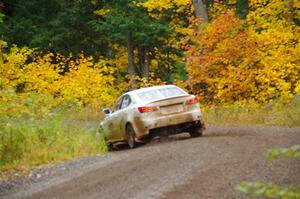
(160, 93)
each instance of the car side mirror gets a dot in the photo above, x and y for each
(106, 111)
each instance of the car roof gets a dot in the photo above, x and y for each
(150, 88)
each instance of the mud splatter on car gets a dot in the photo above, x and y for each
(153, 111)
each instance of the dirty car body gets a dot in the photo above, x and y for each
(153, 111)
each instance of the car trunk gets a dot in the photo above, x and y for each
(171, 105)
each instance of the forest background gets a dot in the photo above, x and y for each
(61, 61)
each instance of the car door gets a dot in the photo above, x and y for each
(112, 125)
(122, 117)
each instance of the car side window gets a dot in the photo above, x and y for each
(117, 105)
(126, 101)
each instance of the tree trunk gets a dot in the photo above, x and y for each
(130, 51)
(201, 11)
(144, 62)
(146, 66)
(141, 60)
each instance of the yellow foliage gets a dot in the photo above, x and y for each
(165, 4)
(91, 84)
(179, 6)
(82, 79)
(136, 82)
(102, 12)
(120, 61)
(12, 71)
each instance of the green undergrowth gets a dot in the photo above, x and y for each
(262, 190)
(276, 113)
(33, 142)
(36, 130)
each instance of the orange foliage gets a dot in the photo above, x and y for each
(231, 60)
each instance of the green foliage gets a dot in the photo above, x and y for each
(2, 43)
(268, 190)
(36, 129)
(242, 8)
(35, 142)
(58, 26)
(1, 17)
(123, 17)
(290, 152)
(129, 25)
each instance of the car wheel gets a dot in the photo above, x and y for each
(130, 134)
(110, 147)
(163, 136)
(195, 133)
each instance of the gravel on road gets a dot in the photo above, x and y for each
(182, 167)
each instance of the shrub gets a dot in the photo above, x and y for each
(34, 130)
(89, 82)
(275, 113)
(40, 142)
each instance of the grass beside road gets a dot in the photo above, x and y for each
(37, 130)
(276, 113)
(32, 143)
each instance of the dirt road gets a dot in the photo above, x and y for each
(183, 167)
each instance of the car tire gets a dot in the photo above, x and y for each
(195, 133)
(110, 147)
(130, 134)
(163, 136)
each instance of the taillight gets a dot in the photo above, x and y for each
(145, 109)
(192, 101)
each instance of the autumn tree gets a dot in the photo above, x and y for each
(256, 59)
